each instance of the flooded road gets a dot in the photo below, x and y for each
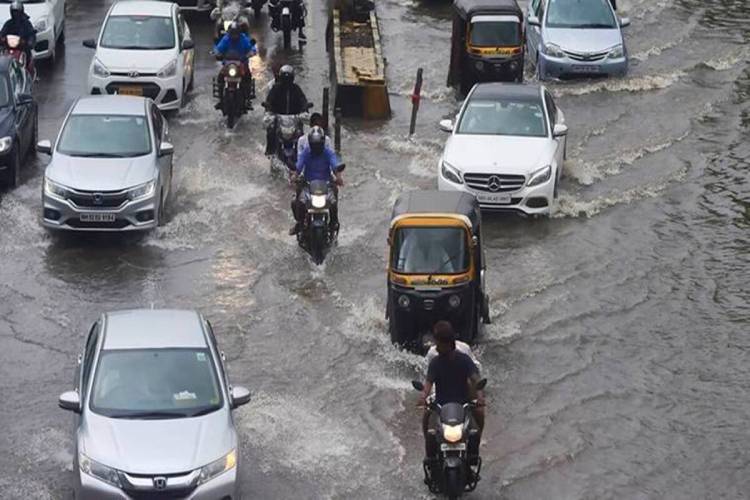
(618, 357)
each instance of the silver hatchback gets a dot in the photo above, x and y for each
(153, 409)
(111, 167)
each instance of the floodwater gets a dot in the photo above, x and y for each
(618, 357)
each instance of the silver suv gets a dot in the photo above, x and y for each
(111, 167)
(153, 409)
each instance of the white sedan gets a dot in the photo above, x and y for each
(507, 148)
(144, 49)
(48, 18)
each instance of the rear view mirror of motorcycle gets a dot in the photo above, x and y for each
(417, 385)
(482, 384)
(215, 14)
(340, 167)
(310, 105)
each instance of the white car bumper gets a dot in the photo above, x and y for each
(535, 200)
(165, 92)
(45, 44)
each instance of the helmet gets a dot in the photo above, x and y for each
(234, 29)
(316, 120)
(317, 140)
(16, 8)
(286, 75)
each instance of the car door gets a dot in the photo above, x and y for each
(159, 126)
(22, 113)
(556, 117)
(534, 33)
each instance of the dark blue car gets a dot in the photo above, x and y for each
(18, 120)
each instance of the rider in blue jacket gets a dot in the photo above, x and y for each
(238, 46)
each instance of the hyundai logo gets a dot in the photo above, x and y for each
(160, 483)
(98, 198)
(495, 183)
(134, 74)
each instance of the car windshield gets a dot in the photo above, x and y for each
(155, 383)
(4, 94)
(430, 250)
(580, 14)
(138, 33)
(495, 33)
(503, 117)
(107, 136)
(24, 1)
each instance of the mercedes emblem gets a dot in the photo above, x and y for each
(494, 183)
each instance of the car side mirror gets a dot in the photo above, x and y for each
(44, 147)
(446, 125)
(533, 21)
(188, 44)
(89, 43)
(70, 401)
(215, 14)
(624, 22)
(240, 396)
(417, 385)
(166, 149)
(482, 384)
(560, 130)
(474, 241)
(25, 99)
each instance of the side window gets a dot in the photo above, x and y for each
(158, 121)
(14, 83)
(222, 367)
(180, 30)
(88, 357)
(20, 75)
(551, 109)
(535, 6)
(540, 11)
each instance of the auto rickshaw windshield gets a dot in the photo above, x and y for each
(495, 31)
(430, 250)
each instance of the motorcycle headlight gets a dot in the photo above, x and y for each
(99, 471)
(540, 176)
(616, 52)
(142, 191)
(318, 201)
(41, 24)
(54, 189)
(453, 433)
(169, 70)
(100, 69)
(451, 173)
(5, 144)
(232, 71)
(553, 50)
(217, 467)
(227, 24)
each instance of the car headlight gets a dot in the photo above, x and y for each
(553, 50)
(5, 144)
(41, 24)
(318, 201)
(451, 173)
(100, 69)
(540, 176)
(454, 301)
(403, 301)
(99, 471)
(55, 189)
(169, 70)
(616, 52)
(142, 191)
(220, 466)
(479, 65)
(453, 433)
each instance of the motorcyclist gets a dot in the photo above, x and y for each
(20, 25)
(454, 376)
(316, 120)
(317, 162)
(239, 45)
(284, 98)
(298, 16)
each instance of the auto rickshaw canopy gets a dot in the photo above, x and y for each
(467, 8)
(437, 203)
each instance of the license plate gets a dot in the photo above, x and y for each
(585, 69)
(453, 447)
(136, 90)
(97, 217)
(500, 198)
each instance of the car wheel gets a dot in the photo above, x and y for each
(61, 38)
(539, 73)
(34, 137)
(191, 85)
(161, 214)
(13, 172)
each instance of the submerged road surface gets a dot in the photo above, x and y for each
(619, 355)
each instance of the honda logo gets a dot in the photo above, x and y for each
(160, 483)
(134, 74)
(98, 198)
(495, 183)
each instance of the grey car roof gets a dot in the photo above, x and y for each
(150, 329)
(110, 105)
(514, 91)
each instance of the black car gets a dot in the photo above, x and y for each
(18, 119)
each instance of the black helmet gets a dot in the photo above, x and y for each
(234, 29)
(316, 120)
(16, 8)
(317, 140)
(286, 74)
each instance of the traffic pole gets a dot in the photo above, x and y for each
(415, 98)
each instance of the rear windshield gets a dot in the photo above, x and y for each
(138, 33)
(495, 34)
(430, 250)
(106, 136)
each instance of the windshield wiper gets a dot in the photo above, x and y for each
(151, 414)
(204, 411)
(100, 155)
(595, 25)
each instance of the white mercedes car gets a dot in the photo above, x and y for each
(507, 148)
(144, 49)
(48, 18)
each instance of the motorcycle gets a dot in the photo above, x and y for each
(237, 90)
(12, 45)
(287, 16)
(451, 473)
(224, 15)
(317, 236)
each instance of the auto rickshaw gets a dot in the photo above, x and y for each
(436, 267)
(487, 43)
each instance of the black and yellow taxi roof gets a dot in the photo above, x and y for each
(467, 8)
(437, 203)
